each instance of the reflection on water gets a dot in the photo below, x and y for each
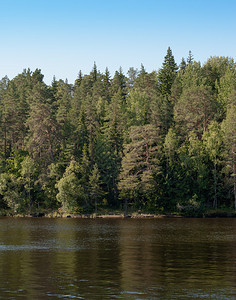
(125, 259)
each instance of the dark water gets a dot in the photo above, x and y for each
(117, 259)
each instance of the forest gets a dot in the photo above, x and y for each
(156, 142)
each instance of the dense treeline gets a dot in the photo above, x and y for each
(160, 141)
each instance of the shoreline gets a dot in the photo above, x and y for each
(113, 215)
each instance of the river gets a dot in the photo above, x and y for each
(169, 258)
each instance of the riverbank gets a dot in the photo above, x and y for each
(145, 216)
(120, 215)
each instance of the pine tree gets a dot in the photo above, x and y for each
(139, 163)
(138, 108)
(14, 112)
(43, 129)
(194, 110)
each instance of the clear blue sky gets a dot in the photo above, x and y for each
(62, 37)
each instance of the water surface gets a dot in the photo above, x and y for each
(116, 258)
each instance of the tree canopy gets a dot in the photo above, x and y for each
(159, 141)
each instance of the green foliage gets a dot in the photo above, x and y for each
(170, 146)
(14, 162)
(70, 191)
(138, 108)
(194, 110)
(215, 69)
(226, 89)
(167, 73)
(140, 162)
(213, 142)
(159, 141)
(28, 173)
(229, 138)
(10, 192)
(95, 188)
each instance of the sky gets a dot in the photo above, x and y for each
(63, 37)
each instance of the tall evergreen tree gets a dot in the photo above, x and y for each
(190, 58)
(139, 163)
(106, 83)
(43, 134)
(119, 82)
(167, 74)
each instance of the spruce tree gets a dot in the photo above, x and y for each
(167, 74)
(190, 59)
